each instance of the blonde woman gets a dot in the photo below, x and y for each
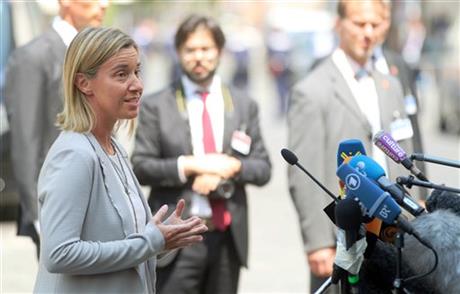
(97, 232)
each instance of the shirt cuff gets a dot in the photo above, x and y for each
(180, 169)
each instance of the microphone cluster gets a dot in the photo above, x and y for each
(368, 196)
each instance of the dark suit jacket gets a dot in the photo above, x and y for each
(163, 134)
(33, 96)
(322, 113)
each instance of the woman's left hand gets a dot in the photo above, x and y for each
(175, 217)
(176, 231)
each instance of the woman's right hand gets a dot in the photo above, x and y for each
(176, 231)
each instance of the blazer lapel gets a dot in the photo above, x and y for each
(231, 120)
(124, 155)
(179, 109)
(114, 193)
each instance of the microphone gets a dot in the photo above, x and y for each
(347, 149)
(348, 217)
(377, 202)
(380, 204)
(292, 159)
(443, 200)
(391, 148)
(351, 243)
(372, 170)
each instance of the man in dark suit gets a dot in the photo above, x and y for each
(388, 61)
(33, 98)
(341, 98)
(200, 141)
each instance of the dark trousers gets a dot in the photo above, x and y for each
(209, 267)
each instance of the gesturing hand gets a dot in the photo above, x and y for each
(176, 231)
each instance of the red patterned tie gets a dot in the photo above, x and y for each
(220, 215)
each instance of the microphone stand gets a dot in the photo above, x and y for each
(398, 281)
(324, 286)
(339, 276)
(399, 243)
(410, 181)
(437, 160)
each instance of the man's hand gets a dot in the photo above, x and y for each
(176, 231)
(206, 183)
(225, 166)
(321, 261)
(216, 163)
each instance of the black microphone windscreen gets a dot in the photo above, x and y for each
(442, 229)
(289, 156)
(443, 200)
(348, 215)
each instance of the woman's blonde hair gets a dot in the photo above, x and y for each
(86, 53)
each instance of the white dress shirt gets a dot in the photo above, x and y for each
(365, 94)
(65, 30)
(194, 104)
(215, 106)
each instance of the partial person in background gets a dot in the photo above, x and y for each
(279, 50)
(97, 231)
(240, 54)
(390, 62)
(33, 98)
(201, 141)
(415, 32)
(341, 98)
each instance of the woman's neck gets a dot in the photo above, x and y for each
(103, 136)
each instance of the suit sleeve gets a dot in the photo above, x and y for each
(307, 139)
(64, 205)
(25, 102)
(149, 165)
(256, 167)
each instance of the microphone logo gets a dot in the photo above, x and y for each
(347, 157)
(361, 168)
(393, 145)
(352, 181)
(385, 212)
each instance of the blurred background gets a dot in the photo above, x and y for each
(270, 46)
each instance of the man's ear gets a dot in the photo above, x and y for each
(83, 84)
(337, 25)
(64, 2)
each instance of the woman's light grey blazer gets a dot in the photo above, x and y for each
(88, 238)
